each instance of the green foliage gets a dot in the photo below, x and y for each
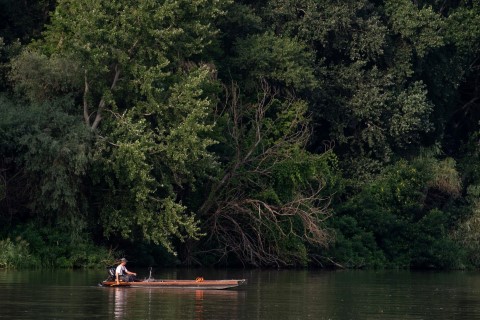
(391, 221)
(143, 163)
(350, 29)
(421, 27)
(354, 247)
(375, 71)
(433, 247)
(51, 247)
(15, 254)
(368, 110)
(278, 59)
(463, 29)
(467, 231)
(51, 151)
(144, 42)
(40, 78)
(446, 178)
(131, 59)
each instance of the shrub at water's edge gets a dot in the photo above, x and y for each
(52, 248)
(404, 218)
(16, 254)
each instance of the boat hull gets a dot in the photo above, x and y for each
(179, 284)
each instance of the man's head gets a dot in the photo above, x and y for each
(123, 261)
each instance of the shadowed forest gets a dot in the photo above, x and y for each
(273, 133)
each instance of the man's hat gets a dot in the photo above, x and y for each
(123, 260)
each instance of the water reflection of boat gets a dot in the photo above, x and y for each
(181, 284)
(214, 294)
(149, 303)
(120, 303)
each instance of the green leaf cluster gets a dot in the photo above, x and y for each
(402, 218)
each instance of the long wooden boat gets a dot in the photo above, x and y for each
(181, 284)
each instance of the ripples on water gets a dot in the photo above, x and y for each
(268, 295)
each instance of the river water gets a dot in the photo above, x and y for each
(284, 294)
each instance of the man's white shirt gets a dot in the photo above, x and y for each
(121, 270)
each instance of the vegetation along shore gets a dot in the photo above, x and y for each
(279, 133)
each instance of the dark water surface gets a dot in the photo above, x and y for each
(268, 295)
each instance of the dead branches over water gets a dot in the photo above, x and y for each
(246, 213)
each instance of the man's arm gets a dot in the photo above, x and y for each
(128, 272)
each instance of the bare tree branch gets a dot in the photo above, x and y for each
(86, 116)
(101, 104)
(255, 230)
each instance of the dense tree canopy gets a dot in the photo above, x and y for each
(265, 133)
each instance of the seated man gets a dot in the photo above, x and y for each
(121, 273)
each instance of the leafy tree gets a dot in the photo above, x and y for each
(138, 167)
(46, 154)
(132, 66)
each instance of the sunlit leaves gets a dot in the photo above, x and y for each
(279, 59)
(40, 78)
(146, 153)
(421, 27)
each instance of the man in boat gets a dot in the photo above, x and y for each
(121, 273)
